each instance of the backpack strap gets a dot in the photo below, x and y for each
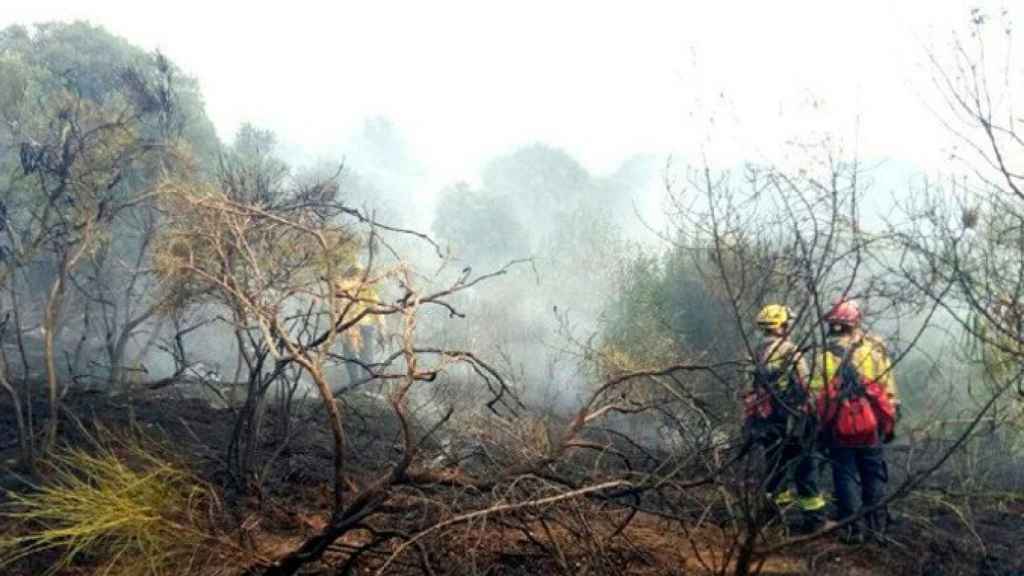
(767, 379)
(765, 374)
(850, 382)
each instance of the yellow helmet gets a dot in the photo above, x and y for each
(773, 316)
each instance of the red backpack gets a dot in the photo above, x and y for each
(857, 411)
(772, 403)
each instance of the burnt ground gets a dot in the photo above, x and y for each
(937, 533)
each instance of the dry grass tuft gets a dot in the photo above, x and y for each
(121, 504)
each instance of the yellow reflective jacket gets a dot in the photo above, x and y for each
(782, 355)
(869, 358)
(778, 364)
(881, 364)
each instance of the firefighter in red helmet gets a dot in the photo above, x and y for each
(857, 400)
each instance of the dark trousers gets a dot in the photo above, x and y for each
(860, 474)
(789, 458)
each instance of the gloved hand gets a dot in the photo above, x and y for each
(892, 435)
(757, 404)
(749, 405)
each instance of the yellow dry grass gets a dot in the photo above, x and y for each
(119, 504)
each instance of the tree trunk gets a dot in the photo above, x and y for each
(349, 350)
(242, 359)
(83, 339)
(150, 342)
(52, 315)
(26, 382)
(337, 432)
(24, 433)
(116, 352)
(118, 381)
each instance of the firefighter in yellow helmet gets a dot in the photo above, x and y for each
(854, 365)
(778, 418)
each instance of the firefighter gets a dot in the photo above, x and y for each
(777, 418)
(852, 360)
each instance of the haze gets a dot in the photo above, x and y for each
(466, 81)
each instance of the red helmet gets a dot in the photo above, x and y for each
(844, 313)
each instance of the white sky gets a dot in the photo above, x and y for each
(464, 81)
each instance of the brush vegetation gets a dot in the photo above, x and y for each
(121, 503)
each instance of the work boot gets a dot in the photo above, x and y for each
(784, 498)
